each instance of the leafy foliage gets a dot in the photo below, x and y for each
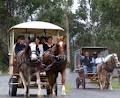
(96, 22)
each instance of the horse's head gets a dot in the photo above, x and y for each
(61, 46)
(33, 52)
(115, 58)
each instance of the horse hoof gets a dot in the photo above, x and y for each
(40, 96)
(101, 88)
(26, 96)
(111, 89)
(52, 96)
(63, 93)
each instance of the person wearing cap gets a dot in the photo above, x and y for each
(87, 62)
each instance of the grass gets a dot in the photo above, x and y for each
(115, 83)
(68, 87)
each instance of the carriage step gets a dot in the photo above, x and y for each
(14, 83)
(32, 83)
(91, 73)
(42, 83)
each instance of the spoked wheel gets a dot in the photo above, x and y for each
(83, 83)
(77, 82)
(12, 87)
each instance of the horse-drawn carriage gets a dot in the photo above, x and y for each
(41, 80)
(83, 78)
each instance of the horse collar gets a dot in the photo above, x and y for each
(108, 68)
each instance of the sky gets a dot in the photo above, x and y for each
(75, 5)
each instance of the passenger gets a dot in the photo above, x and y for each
(87, 63)
(39, 47)
(28, 40)
(99, 60)
(94, 56)
(20, 44)
(49, 44)
(43, 40)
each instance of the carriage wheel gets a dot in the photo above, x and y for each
(83, 83)
(77, 82)
(12, 88)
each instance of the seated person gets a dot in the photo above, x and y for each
(94, 56)
(49, 44)
(43, 40)
(99, 60)
(87, 63)
(39, 46)
(20, 44)
(36, 46)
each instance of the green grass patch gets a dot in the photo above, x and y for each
(115, 83)
(68, 87)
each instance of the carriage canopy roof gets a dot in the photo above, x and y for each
(35, 27)
(91, 50)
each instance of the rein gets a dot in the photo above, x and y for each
(56, 58)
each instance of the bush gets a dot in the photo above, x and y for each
(3, 64)
(3, 56)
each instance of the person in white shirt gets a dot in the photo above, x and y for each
(99, 59)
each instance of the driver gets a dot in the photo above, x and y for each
(87, 62)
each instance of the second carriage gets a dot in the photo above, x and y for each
(91, 77)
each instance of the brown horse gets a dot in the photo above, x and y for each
(29, 64)
(55, 60)
(105, 70)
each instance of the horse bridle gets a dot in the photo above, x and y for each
(110, 68)
(115, 59)
(38, 58)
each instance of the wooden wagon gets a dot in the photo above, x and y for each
(28, 29)
(83, 77)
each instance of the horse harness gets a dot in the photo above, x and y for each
(56, 60)
(107, 66)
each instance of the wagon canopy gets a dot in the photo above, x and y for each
(35, 27)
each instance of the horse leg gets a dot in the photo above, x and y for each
(110, 84)
(63, 83)
(38, 83)
(100, 82)
(52, 90)
(24, 84)
(28, 83)
(54, 83)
